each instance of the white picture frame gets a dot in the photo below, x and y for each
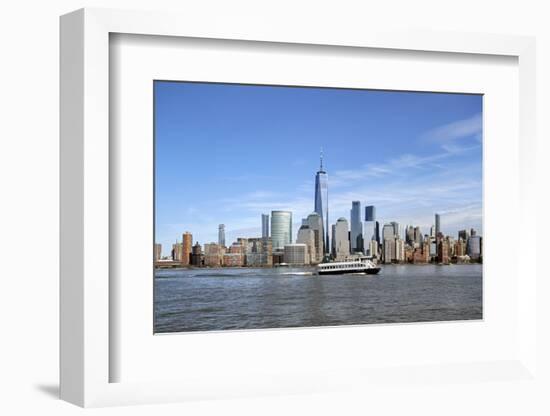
(87, 305)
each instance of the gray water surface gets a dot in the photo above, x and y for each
(218, 299)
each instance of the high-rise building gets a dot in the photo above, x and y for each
(158, 252)
(464, 234)
(213, 255)
(197, 258)
(409, 235)
(281, 229)
(315, 223)
(295, 254)
(221, 235)
(265, 225)
(399, 250)
(373, 248)
(341, 242)
(418, 237)
(437, 225)
(333, 241)
(395, 226)
(389, 250)
(187, 245)
(388, 232)
(356, 228)
(443, 251)
(473, 247)
(307, 236)
(177, 251)
(321, 201)
(370, 213)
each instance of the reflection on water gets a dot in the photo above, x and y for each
(217, 299)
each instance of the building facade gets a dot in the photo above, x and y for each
(341, 241)
(265, 225)
(187, 245)
(356, 231)
(321, 202)
(281, 229)
(295, 254)
(221, 235)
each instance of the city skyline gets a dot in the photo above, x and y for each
(242, 175)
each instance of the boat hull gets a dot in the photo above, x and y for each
(371, 270)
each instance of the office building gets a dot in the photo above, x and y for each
(295, 254)
(213, 255)
(370, 213)
(259, 252)
(437, 226)
(399, 250)
(177, 251)
(321, 202)
(388, 232)
(389, 250)
(307, 236)
(395, 226)
(221, 235)
(464, 234)
(341, 242)
(315, 223)
(281, 229)
(356, 231)
(187, 245)
(474, 247)
(265, 225)
(373, 249)
(157, 252)
(197, 258)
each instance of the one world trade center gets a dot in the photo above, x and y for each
(321, 201)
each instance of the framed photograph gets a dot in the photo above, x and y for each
(275, 212)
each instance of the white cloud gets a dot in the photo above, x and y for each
(470, 127)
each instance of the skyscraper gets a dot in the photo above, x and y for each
(221, 235)
(437, 225)
(265, 225)
(342, 246)
(281, 229)
(187, 245)
(315, 223)
(395, 228)
(307, 236)
(356, 227)
(370, 213)
(321, 201)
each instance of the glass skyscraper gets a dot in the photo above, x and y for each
(265, 225)
(321, 201)
(356, 228)
(281, 229)
(221, 235)
(437, 225)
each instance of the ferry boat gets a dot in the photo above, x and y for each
(359, 266)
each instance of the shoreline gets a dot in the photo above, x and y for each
(179, 267)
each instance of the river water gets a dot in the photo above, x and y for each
(219, 299)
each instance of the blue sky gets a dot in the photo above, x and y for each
(227, 153)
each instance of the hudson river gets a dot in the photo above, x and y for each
(218, 299)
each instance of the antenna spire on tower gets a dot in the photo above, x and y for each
(321, 160)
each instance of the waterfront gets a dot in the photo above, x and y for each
(247, 298)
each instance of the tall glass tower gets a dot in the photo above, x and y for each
(356, 227)
(281, 229)
(321, 201)
(265, 225)
(221, 235)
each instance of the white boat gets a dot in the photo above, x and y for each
(362, 266)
